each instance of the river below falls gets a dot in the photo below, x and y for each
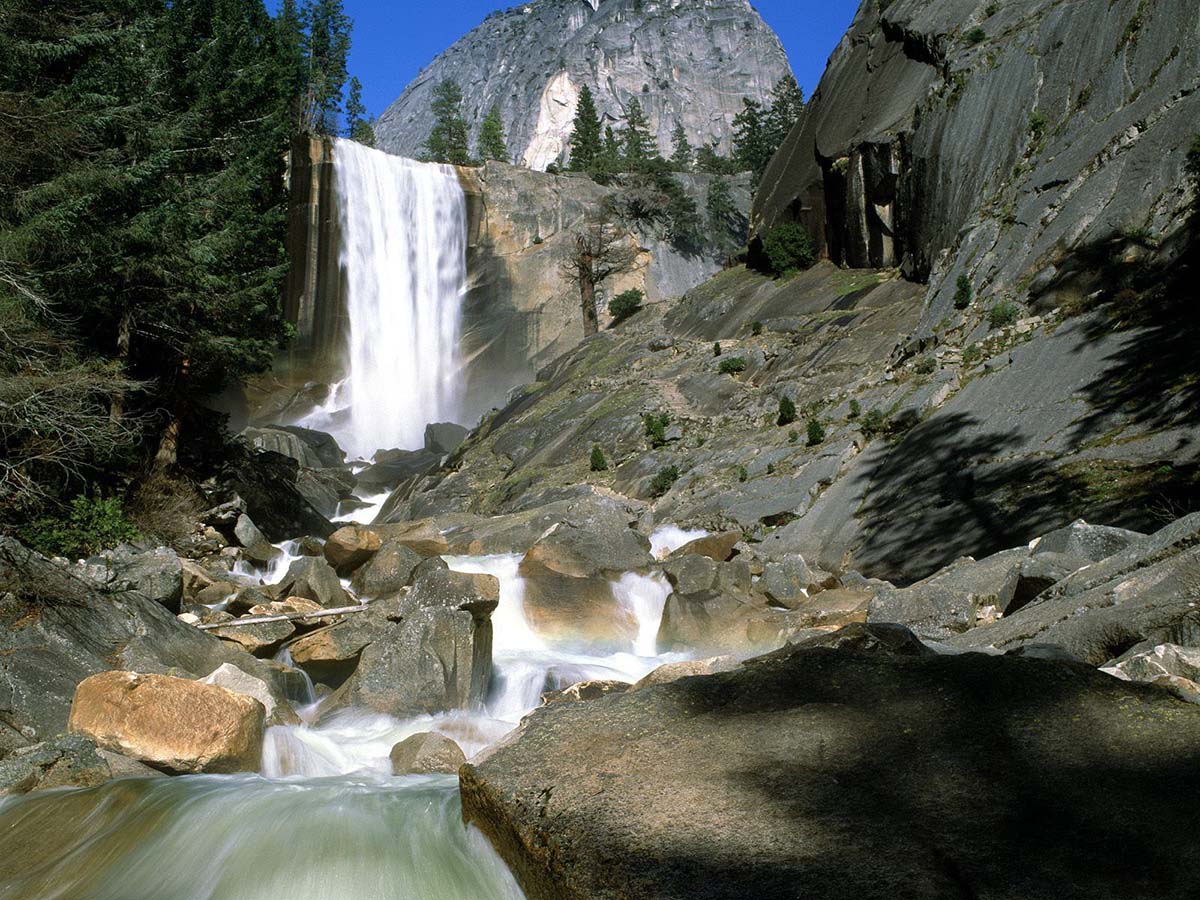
(325, 819)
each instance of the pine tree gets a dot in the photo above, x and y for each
(751, 142)
(358, 127)
(328, 49)
(491, 137)
(585, 136)
(682, 155)
(637, 144)
(448, 142)
(787, 106)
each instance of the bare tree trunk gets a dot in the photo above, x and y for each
(168, 447)
(116, 409)
(587, 297)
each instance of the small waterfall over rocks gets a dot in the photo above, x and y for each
(403, 231)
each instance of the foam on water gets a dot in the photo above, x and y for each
(666, 539)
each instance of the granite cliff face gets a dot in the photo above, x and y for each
(1004, 141)
(687, 61)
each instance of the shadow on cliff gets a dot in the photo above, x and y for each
(946, 489)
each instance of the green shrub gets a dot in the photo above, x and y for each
(756, 329)
(732, 366)
(992, 9)
(93, 524)
(816, 432)
(656, 428)
(742, 474)
(787, 412)
(927, 366)
(716, 348)
(872, 424)
(976, 36)
(625, 304)
(793, 436)
(662, 482)
(1037, 124)
(855, 409)
(599, 463)
(770, 468)
(963, 292)
(789, 248)
(1004, 313)
(972, 355)
(1192, 167)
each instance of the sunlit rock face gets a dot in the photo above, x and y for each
(686, 61)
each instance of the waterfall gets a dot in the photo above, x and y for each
(403, 260)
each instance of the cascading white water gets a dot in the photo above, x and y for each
(403, 258)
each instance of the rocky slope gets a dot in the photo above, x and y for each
(687, 61)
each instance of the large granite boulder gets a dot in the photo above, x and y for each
(961, 596)
(274, 702)
(426, 754)
(155, 574)
(843, 774)
(351, 546)
(444, 437)
(388, 570)
(69, 760)
(1139, 598)
(314, 579)
(179, 726)
(1088, 542)
(266, 482)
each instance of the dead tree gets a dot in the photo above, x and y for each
(601, 250)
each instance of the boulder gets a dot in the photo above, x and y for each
(1091, 543)
(691, 573)
(444, 437)
(230, 677)
(788, 581)
(254, 543)
(894, 640)
(715, 546)
(285, 443)
(155, 574)
(324, 447)
(388, 570)
(329, 655)
(427, 652)
(350, 547)
(834, 608)
(1041, 572)
(955, 599)
(172, 724)
(247, 598)
(837, 773)
(394, 466)
(266, 481)
(325, 489)
(1165, 659)
(568, 587)
(69, 760)
(313, 579)
(263, 639)
(426, 754)
(1141, 597)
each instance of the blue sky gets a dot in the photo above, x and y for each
(395, 39)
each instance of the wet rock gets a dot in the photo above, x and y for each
(715, 546)
(254, 543)
(350, 547)
(266, 481)
(955, 599)
(394, 466)
(230, 677)
(771, 766)
(444, 437)
(324, 446)
(69, 760)
(583, 691)
(246, 598)
(690, 574)
(310, 546)
(329, 655)
(426, 754)
(313, 579)
(725, 616)
(172, 724)
(389, 570)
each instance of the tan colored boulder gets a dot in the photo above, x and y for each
(350, 547)
(835, 608)
(426, 754)
(582, 691)
(172, 724)
(669, 672)
(424, 538)
(714, 546)
(263, 639)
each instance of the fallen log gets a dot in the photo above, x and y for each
(285, 617)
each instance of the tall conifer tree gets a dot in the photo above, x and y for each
(585, 136)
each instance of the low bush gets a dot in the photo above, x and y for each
(742, 474)
(855, 409)
(788, 248)
(1003, 314)
(732, 366)
(872, 423)
(656, 428)
(663, 480)
(926, 366)
(976, 36)
(93, 524)
(963, 293)
(756, 329)
(624, 305)
(599, 463)
(716, 348)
